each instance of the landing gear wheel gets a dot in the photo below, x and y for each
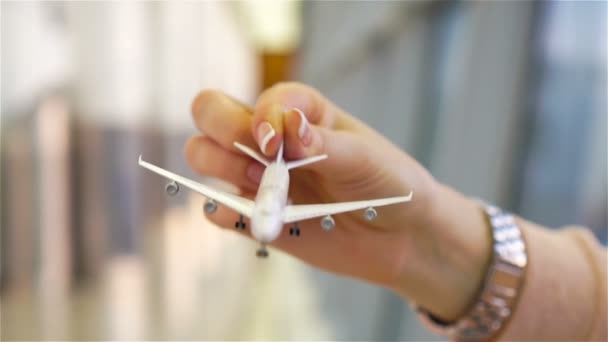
(295, 230)
(240, 224)
(262, 252)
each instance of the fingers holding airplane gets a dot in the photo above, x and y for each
(273, 104)
(222, 118)
(283, 100)
(207, 157)
(318, 110)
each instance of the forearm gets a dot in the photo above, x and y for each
(564, 291)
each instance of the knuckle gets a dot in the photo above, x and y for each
(189, 149)
(204, 99)
(287, 86)
(226, 131)
(193, 148)
(241, 135)
(202, 169)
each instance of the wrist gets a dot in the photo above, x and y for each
(499, 294)
(449, 255)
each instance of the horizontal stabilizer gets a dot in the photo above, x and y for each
(253, 154)
(306, 161)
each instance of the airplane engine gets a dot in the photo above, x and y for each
(370, 214)
(328, 223)
(172, 188)
(210, 206)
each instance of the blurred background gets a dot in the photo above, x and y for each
(502, 100)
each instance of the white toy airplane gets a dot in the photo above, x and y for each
(270, 210)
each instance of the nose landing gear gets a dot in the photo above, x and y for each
(262, 252)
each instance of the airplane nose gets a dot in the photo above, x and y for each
(265, 239)
(265, 230)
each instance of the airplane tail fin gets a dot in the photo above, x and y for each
(253, 154)
(305, 161)
(280, 153)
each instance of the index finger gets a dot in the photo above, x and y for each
(222, 119)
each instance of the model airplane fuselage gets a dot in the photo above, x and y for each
(270, 203)
(270, 210)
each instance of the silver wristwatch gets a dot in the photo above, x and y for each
(500, 291)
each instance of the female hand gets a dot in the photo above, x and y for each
(410, 247)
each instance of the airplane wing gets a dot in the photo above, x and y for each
(307, 211)
(239, 204)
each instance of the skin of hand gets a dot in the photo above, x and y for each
(433, 250)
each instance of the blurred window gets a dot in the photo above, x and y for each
(564, 170)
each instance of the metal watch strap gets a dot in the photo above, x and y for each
(503, 283)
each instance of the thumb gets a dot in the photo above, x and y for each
(275, 102)
(302, 140)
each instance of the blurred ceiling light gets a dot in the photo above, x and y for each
(35, 54)
(274, 25)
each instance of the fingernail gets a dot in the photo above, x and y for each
(303, 123)
(255, 172)
(304, 129)
(265, 132)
